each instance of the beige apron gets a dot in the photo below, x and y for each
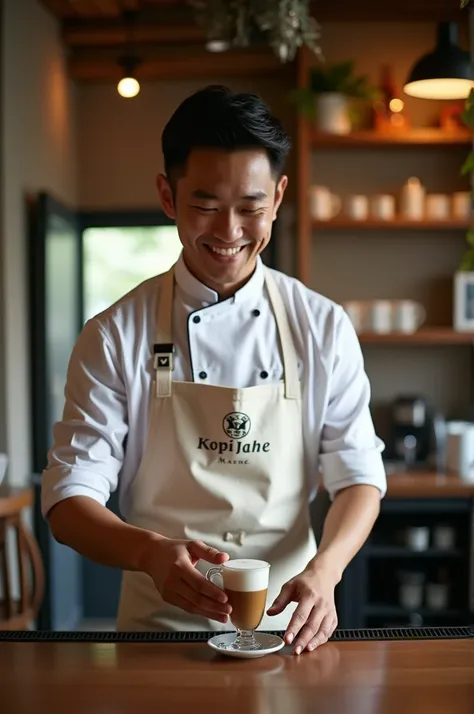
(225, 466)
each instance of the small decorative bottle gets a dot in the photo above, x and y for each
(389, 114)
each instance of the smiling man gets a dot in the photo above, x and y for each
(214, 397)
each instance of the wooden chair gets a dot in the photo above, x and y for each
(18, 614)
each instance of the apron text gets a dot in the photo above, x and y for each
(223, 446)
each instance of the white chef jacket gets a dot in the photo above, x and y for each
(99, 442)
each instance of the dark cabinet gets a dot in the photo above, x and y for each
(416, 568)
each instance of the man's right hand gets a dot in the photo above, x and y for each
(171, 564)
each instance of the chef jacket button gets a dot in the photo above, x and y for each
(264, 374)
(196, 319)
(202, 375)
(255, 313)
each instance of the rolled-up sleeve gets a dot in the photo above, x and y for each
(88, 442)
(350, 450)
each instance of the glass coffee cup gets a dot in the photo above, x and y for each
(245, 582)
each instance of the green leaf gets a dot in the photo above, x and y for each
(340, 77)
(468, 165)
(467, 261)
(304, 100)
(465, 3)
(470, 237)
(467, 117)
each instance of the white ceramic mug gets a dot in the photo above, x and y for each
(324, 204)
(418, 538)
(355, 311)
(412, 200)
(444, 537)
(461, 205)
(380, 316)
(357, 207)
(460, 449)
(437, 206)
(437, 596)
(407, 316)
(382, 207)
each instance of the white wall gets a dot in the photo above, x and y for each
(38, 153)
(119, 140)
(119, 143)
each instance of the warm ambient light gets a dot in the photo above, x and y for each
(128, 87)
(444, 73)
(217, 46)
(396, 105)
(439, 88)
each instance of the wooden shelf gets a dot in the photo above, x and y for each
(396, 224)
(427, 484)
(426, 336)
(393, 551)
(382, 610)
(414, 137)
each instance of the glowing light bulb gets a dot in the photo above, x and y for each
(396, 105)
(128, 87)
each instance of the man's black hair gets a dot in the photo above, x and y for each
(215, 117)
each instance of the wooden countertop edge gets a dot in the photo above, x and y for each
(427, 484)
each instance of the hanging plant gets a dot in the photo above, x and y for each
(285, 24)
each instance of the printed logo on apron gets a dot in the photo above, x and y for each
(236, 426)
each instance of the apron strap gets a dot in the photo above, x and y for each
(163, 349)
(290, 359)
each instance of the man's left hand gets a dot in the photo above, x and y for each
(315, 618)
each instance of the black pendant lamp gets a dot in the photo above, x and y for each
(445, 73)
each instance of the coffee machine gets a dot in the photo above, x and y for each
(412, 430)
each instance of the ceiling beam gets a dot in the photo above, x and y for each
(90, 9)
(197, 66)
(110, 35)
(323, 10)
(60, 8)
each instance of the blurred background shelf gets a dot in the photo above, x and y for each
(414, 137)
(381, 610)
(394, 551)
(426, 336)
(396, 224)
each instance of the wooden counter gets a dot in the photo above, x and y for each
(417, 677)
(428, 484)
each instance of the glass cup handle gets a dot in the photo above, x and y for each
(212, 572)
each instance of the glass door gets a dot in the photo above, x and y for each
(55, 266)
(120, 251)
(118, 258)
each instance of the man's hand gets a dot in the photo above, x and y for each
(171, 564)
(315, 618)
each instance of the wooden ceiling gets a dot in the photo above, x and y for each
(340, 10)
(166, 36)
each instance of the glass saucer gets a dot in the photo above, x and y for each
(268, 645)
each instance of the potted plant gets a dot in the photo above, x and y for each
(327, 98)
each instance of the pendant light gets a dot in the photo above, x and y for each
(444, 73)
(128, 86)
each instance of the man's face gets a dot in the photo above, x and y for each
(224, 206)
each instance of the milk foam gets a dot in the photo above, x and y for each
(246, 575)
